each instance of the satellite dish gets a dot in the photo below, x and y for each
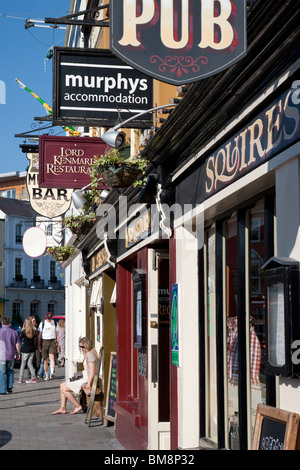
(34, 242)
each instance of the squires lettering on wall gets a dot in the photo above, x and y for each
(65, 162)
(276, 128)
(178, 41)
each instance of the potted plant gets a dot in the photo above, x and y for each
(61, 253)
(117, 171)
(80, 224)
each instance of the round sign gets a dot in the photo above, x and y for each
(34, 242)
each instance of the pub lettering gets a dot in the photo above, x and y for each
(215, 18)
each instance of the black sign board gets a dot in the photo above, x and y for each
(275, 429)
(92, 87)
(178, 42)
(111, 392)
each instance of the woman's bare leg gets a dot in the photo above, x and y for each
(66, 394)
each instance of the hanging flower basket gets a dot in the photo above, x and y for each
(119, 176)
(61, 253)
(117, 171)
(81, 224)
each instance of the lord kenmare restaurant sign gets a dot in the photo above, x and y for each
(272, 130)
(178, 41)
(65, 162)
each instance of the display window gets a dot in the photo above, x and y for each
(235, 249)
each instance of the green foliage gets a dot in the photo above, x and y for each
(79, 224)
(61, 253)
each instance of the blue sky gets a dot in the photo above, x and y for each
(22, 55)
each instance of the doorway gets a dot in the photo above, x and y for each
(159, 350)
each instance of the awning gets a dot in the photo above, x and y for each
(113, 298)
(96, 294)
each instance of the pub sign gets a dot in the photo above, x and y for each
(178, 41)
(92, 87)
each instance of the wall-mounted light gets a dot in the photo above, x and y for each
(58, 236)
(78, 198)
(117, 139)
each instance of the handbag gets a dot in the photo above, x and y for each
(76, 376)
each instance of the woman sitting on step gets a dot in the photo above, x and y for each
(69, 389)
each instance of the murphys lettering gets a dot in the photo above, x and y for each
(215, 15)
(271, 131)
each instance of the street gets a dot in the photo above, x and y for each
(26, 422)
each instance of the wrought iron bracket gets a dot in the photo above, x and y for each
(67, 20)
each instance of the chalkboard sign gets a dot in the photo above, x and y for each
(111, 392)
(275, 429)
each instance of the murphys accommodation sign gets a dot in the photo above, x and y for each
(93, 87)
(178, 41)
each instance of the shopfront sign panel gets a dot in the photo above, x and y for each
(178, 41)
(270, 132)
(92, 87)
(65, 162)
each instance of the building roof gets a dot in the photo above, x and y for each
(16, 207)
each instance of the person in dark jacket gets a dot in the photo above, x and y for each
(27, 336)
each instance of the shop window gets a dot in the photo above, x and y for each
(231, 283)
(257, 320)
(139, 280)
(211, 378)
(235, 325)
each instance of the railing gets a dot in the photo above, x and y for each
(55, 285)
(36, 284)
(19, 283)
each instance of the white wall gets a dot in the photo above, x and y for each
(288, 244)
(188, 370)
(75, 313)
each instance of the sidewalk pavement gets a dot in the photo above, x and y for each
(26, 422)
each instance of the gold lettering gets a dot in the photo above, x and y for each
(167, 26)
(273, 125)
(291, 112)
(255, 141)
(131, 20)
(210, 21)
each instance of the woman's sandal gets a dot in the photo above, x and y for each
(59, 412)
(76, 410)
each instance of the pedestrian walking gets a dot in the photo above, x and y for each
(49, 345)
(37, 354)
(69, 389)
(61, 342)
(28, 338)
(9, 343)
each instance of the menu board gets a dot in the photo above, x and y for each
(111, 392)
(275, 429)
